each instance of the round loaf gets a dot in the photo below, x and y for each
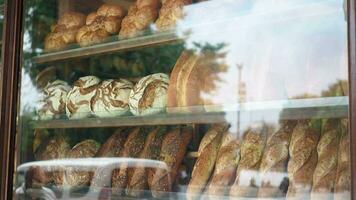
(53, 100)
(79, 98)
(111, 10)
(71, 20)
(149, 95)
(112, 98)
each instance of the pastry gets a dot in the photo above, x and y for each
(204, 166)
(173, 149)
(101, 24)
(139, 17)
(225, 167)
(53, 102)
(149, 96)
(325, 171)
(75, 176)
(251, 154)
(151, 151)
(112, 98)
(64, 32)
(303, 158)
(343, 174)
(132, 149)
(80, 97)
(170, 13)
(274, 160)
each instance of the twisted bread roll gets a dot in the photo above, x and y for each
(112, 98)
(139, 17)
(99, 25)
(151, 151)
(343, 174)
(173, 149)
(170, 13)
(204, 166)
(303, 158)
(225, 166)
(132, 148)
(275, 159)
(64, 32)
(251, 154)
(325, 171)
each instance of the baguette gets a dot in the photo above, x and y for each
(251, 154)
(132, 148)
(204, 166)
(275, 159)
(151, 151)
(173, 149)
(225, 166)
(343, 174)
(303, 158)
(325, 171)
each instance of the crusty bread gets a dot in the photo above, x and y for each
(151, 151)
(343, 174)
(275, 159)
(173, 149)
(325, 170)
(132, 149)
(303, 158)
(251, 154)
(225, 166)
(113, 146)
(204, 166)
(170, 13)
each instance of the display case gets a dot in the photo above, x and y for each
(178, 99)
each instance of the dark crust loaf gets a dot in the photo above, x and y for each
(132, 149)
(75, 176)
(114, 146)
(173, 149)
(151, 151)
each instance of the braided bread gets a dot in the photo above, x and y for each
(170, 13)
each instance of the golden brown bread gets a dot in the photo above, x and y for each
(151, 151)
(132, 149)
(251, 154)
(64, 32)
(173, 149)
(204, 166)
(139, 17)
(343, 174)
(101, 24)
(170, 13)
(225, 166)
(75, 176)
(275, 159)
(303, 158)
(325, 170)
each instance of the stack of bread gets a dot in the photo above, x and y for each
(101, 24)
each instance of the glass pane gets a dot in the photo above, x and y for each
(184, 99)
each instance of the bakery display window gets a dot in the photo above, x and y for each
(183, 99)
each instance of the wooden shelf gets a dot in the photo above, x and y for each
(329, 107)
(109, 47)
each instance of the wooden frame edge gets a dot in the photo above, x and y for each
(12, 46)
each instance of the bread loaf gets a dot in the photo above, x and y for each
(151, 151)
(101, 24)
(274, 160)
(139, 17)
(204, 166)
(225, 166)
(170, 13)
(325, 170)
(303, 158)
(76, 176)
(343, 174)
(173, 149)
(251, 154)
(132, 149)
(64, 32)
